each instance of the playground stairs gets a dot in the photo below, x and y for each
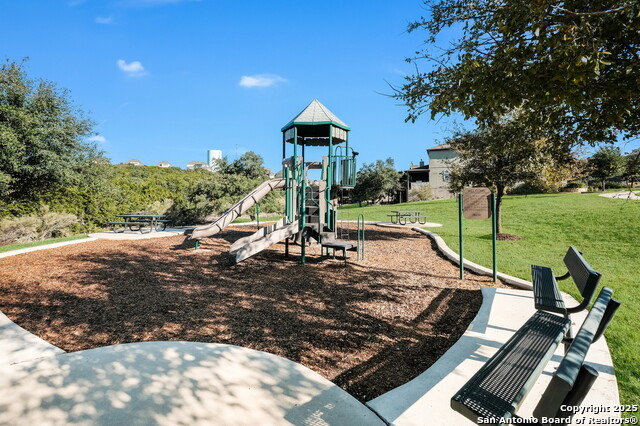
(262, 239)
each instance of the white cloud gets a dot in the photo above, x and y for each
(261, 80)
(132, 69)
(97, 138)
(106, 21)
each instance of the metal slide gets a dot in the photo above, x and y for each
(240, 250)
(239, 208)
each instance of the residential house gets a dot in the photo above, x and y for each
(441, 159)
(193, 165)
(134, 162)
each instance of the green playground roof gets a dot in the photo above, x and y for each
(316, 114)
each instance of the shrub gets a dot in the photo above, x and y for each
(421, 193)
(42, 226)
(575, 185)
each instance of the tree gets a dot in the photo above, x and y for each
(606, 163)
(249, 164)
(501, 156)
(375, 181)
(572, 67)
(631, 168)
(42, 133)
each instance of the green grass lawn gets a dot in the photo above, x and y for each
(40, 243)
(606, 230)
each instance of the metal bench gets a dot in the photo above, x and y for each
(545, 286)
(498, 389)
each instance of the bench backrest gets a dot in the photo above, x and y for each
(562, 386)
(583, 275)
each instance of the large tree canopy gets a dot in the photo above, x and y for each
(572, 67)
(41, 135)
(502, 155)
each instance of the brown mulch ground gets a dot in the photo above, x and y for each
(368, 327)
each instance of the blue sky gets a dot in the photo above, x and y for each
(169, 79)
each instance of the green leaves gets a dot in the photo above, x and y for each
(560, 65)
(42, 135)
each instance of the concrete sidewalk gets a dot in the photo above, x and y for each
(426, 399)
(173, 383)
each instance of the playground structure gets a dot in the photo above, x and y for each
(310, 205)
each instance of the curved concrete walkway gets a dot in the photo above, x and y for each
(426, 399)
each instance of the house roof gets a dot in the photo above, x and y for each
(418, 169)
(314, 114)
(133, 160)
(163, 163)
(441, 147)
(193, 163)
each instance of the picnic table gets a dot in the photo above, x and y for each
(138, 221)
(413, 216)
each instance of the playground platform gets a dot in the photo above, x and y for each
(198, 383)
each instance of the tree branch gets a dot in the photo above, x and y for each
(603, 12)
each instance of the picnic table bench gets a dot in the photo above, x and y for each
(401, 217)
(498, 389)
(546, 293)
(140, 221)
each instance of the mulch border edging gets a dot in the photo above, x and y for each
(478, 269)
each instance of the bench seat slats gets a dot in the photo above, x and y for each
(545, 290)
(499, 387)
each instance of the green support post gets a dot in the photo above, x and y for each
(197, 244)
(460, 236)
(329, 179)
(494, 221)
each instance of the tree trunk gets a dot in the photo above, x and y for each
(499, 195)
(603, 181)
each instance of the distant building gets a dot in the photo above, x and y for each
(164, 164)
(441, 159)
(134, 162)
(212, 156)
(417, 175)
(193, 165)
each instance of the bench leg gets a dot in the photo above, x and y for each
(422, 221)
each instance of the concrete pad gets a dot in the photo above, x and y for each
(136, 235)
(622, 195)
(18, 345)
(173, 383)
(426, 399)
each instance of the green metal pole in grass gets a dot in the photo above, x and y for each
(460, 236)
(495, 236)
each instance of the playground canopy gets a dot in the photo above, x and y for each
(314, 125)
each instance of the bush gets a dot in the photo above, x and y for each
(421, 193)
(576, 185)
(36, 227)
(528, 188)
